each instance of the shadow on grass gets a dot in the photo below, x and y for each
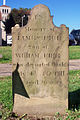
(3, 59)
(74, 100)
(6, 59)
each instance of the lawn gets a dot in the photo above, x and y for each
(5, 97)
(6, 53)
(74, 53)
(74, 97)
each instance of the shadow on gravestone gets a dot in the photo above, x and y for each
(74, 100)
(43, 61)
(18, 87)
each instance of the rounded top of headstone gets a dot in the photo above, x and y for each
(40, 6)
(40, 12)
(40, 9)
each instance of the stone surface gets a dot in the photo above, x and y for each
(6, 69)
(40, 65)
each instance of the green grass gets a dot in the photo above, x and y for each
(6, 91)
(74, 52)
(74, 89)
(74, 80)
(7, 54)
(74, 96)
(5, 97)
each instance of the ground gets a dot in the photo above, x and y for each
(5, 85)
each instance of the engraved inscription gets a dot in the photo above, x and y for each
(37, 55)
(59, 73)
(18, 37)
(27, 55)
(44, 37)
(49, 64)
(52, 55)
(44, 73)
(40, 65)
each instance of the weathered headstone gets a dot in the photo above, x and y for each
(40, 65)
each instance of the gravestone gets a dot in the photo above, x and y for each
(40, 65)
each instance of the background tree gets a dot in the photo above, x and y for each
(15, 17)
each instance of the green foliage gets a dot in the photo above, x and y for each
(15, 17)
(6, 53)
(9, 24)
(74, 52)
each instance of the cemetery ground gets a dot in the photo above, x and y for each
(6, 101)
(6, 53)
(73, 113)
